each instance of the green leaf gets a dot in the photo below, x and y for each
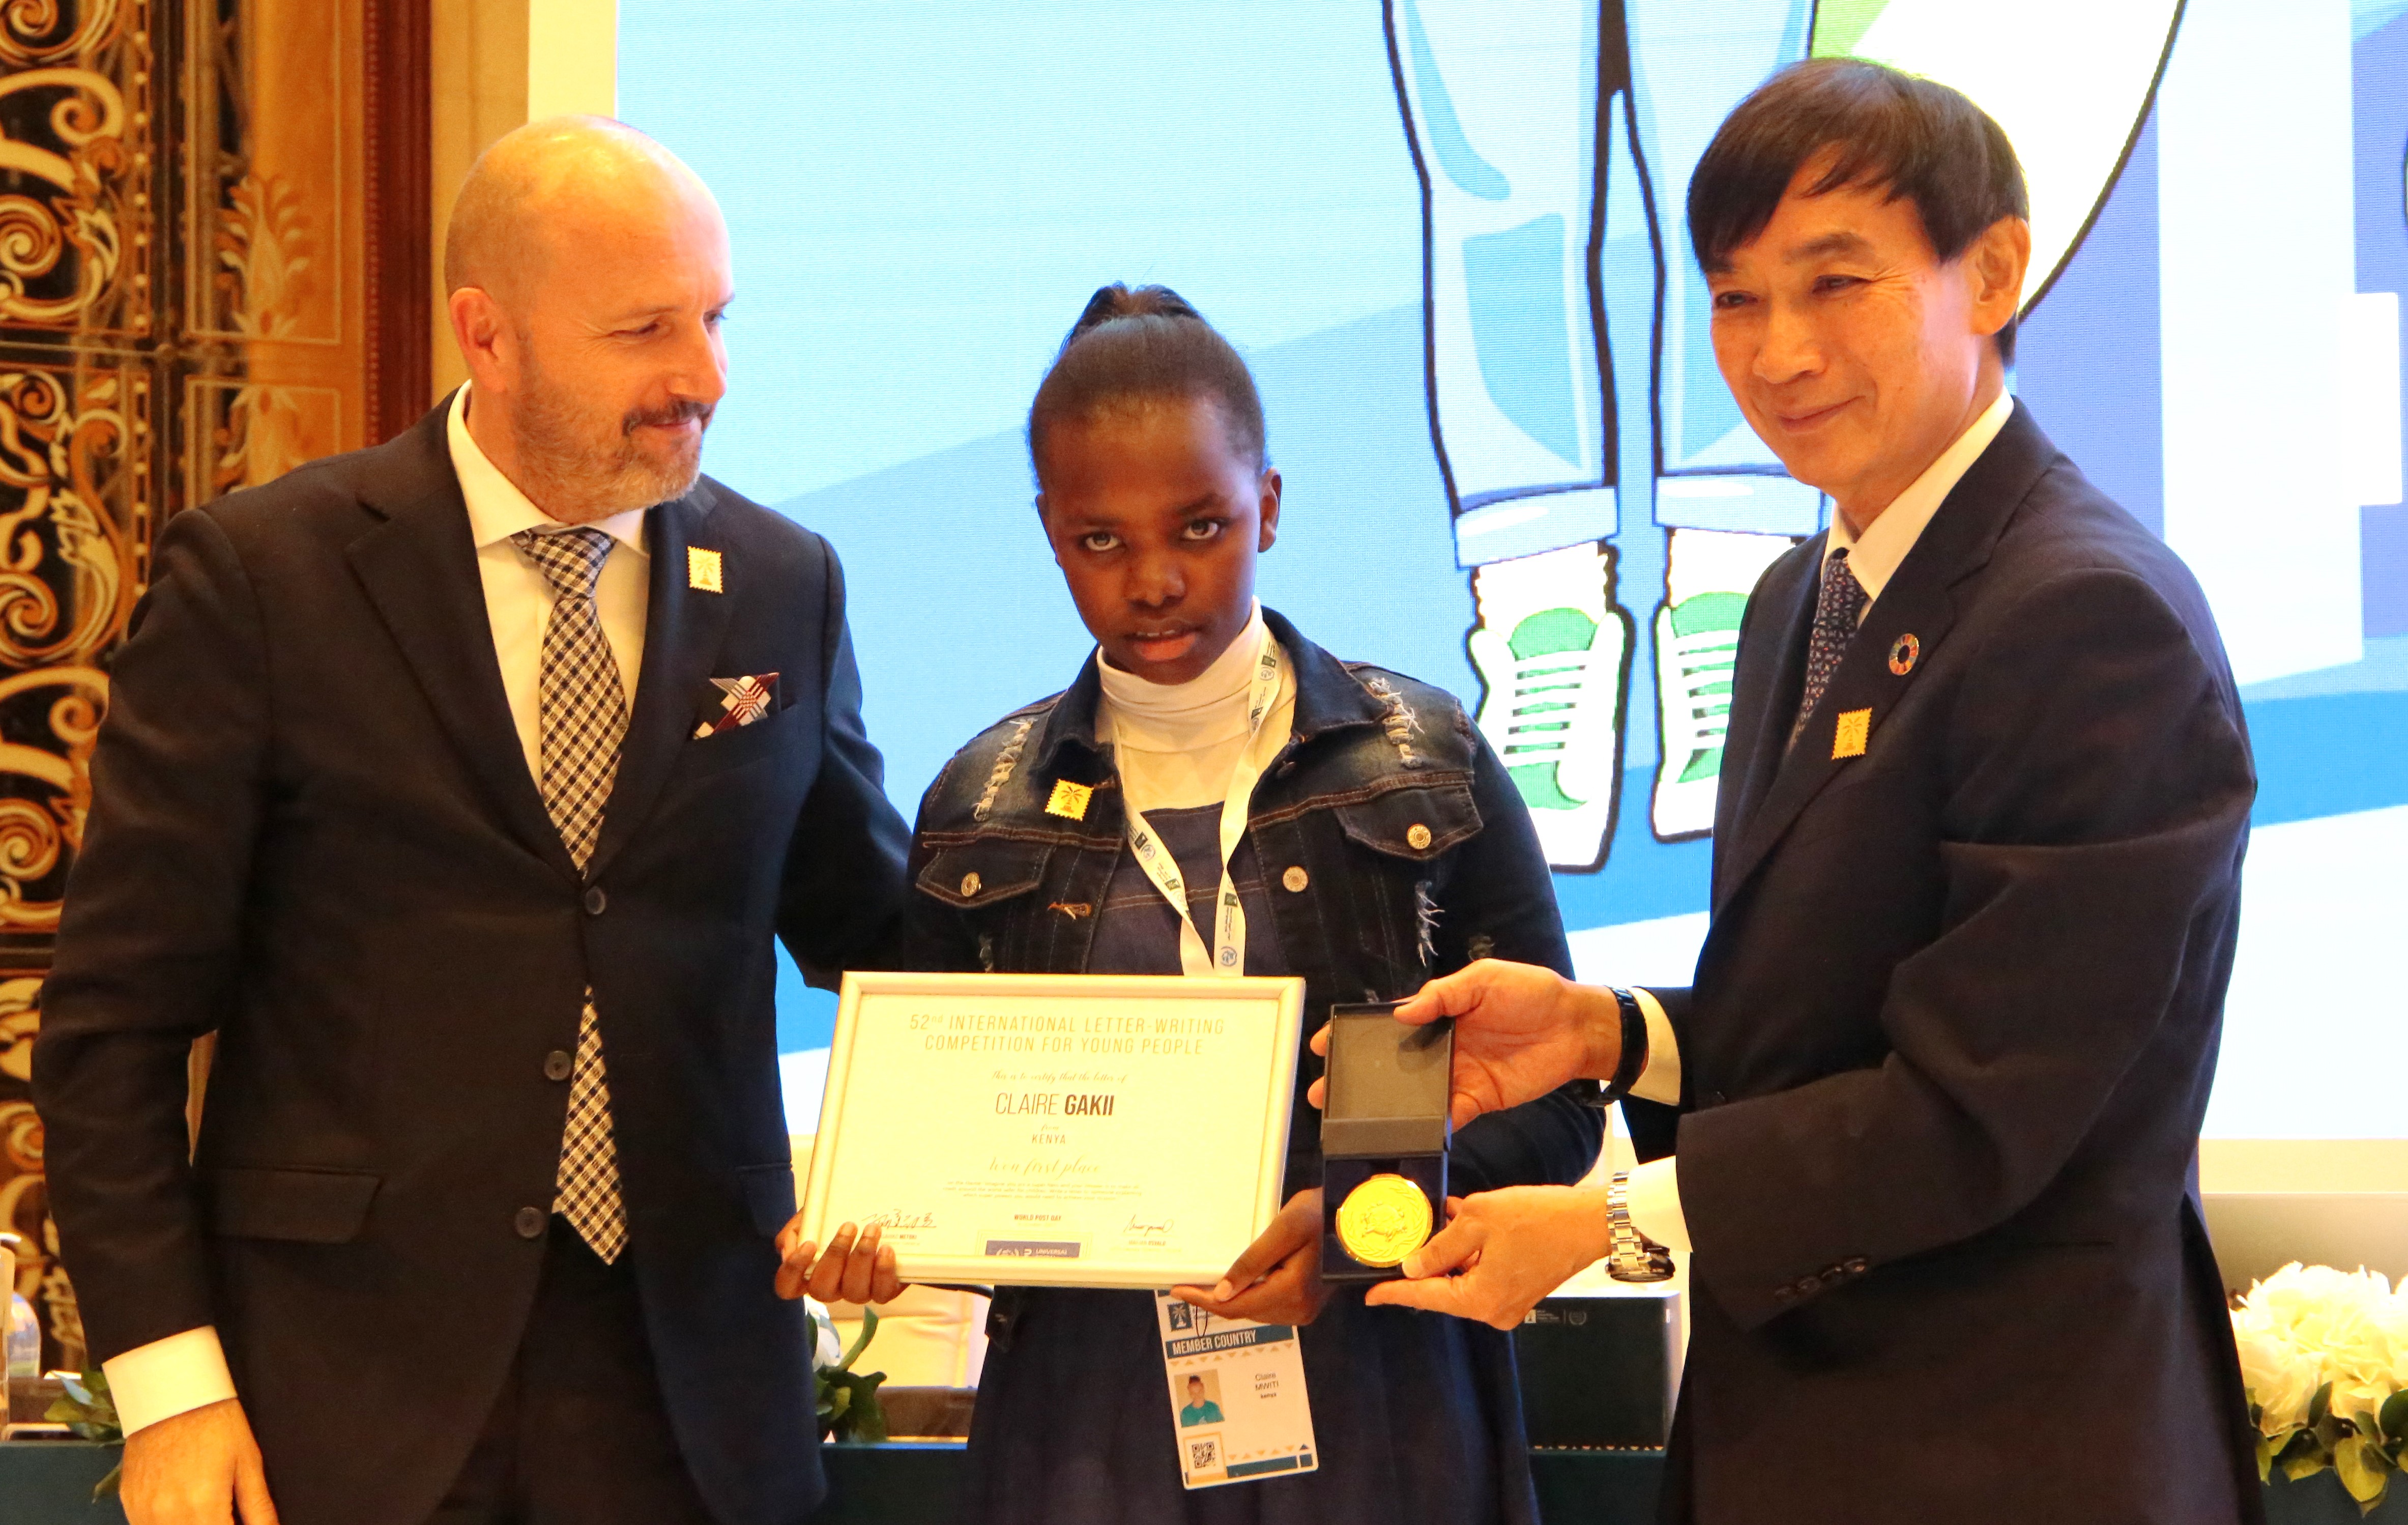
(2320, 1406)
(86, 1409)
(2302, 1456)
(2265, 1458)
(2394, 1418)
(2363, 1470)
(106, 1487)
(861, 1341)
(868, 1415)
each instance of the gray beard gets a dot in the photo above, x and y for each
(574, 482)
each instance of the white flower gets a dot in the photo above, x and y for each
(2281, 1378)
(829, 1350)
(2305, 1326)
(2394, 1318)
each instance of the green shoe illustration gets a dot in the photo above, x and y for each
(1696, 642)
(1550, 649)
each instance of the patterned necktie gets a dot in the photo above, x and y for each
(584, 719)
(1837, 610)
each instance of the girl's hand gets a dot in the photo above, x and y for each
(855, 1269)
(1278, 1278)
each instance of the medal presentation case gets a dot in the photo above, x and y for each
(1383, 1140)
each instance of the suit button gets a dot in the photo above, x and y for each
(531, 1222)
(1833, 1275)
(1295, 879)
(1856, 1266)
(557, 1065)
(971, 883)
(1417, 837)
(1808, 1286)
(595, 901)
(1784, 1293)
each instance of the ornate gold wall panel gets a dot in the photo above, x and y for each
(184, 310)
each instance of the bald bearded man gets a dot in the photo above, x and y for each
(459, 786)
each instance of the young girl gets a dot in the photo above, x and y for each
(1385, 845)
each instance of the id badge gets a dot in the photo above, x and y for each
(1237, 1403)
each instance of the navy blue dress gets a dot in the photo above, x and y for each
(1416, 1417)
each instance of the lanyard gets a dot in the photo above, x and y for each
(1227, 957)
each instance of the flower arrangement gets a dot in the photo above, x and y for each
(2325, 1355)
(849, 1408)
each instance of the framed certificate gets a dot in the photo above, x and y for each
(1057, 1130)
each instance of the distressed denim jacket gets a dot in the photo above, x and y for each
(1393, 845)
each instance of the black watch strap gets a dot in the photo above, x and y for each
(1633, 1062)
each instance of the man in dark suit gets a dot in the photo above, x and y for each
(459, 786)
(1933, 1103)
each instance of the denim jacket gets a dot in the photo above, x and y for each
(1394, 846)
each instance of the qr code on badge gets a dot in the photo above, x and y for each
(1204, 1455)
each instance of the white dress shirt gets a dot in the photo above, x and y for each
(182, 1372)
(1875, 557)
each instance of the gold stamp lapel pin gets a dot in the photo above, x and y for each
(1856, 728)
(1068, 800)
(705, 572)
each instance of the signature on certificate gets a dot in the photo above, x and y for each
(898, 1219)
(1149, 1226)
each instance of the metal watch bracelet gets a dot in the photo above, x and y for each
(1633, 1257)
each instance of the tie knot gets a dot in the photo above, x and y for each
(1842, 596)
(570, 559)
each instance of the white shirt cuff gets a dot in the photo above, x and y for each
(1661, 1080)
(1653, 1198)
(167, 1378)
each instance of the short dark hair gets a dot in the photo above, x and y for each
(1910, 136)
(1133, 346)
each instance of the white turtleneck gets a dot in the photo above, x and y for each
(1177, 744)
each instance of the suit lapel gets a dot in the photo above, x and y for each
(1917, 601)
(683, 627)
(1764, 693)
(419, 568)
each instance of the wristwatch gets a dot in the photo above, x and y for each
(1633, 1257)
(1633, 1062)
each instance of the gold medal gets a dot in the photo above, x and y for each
(1383, 1220)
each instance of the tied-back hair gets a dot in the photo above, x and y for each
(1134, 347)
(1893, 132)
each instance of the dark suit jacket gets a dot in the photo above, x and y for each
(313, 831)
(1952, 1036)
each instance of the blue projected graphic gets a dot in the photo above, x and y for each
(1447, 235)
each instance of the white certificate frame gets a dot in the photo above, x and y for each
(1255, 1086)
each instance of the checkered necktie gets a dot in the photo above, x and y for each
(584, 719)
(1837, 610)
